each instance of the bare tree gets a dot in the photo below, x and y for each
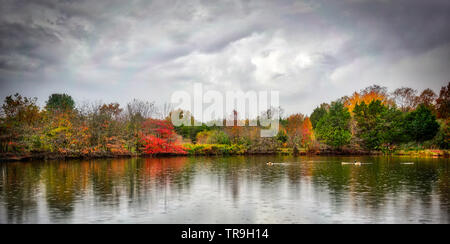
(427, 97)
(405, 98)
(273, 111)
(2, 113)
(165, 110)
(382, 90)
(86, 108)
(141, 108)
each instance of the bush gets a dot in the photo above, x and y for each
(282, 136)
(213, 137)
(442, 139)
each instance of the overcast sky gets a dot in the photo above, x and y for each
(311, 51)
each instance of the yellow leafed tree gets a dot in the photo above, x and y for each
(367, 98)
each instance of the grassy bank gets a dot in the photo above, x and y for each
(222, 150)
(423, 153)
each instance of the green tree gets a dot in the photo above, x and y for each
(191, 132)
(445, 132)
(421, 124)
(442, 139)
(334, 128)
(60, 103)
(378, 125)
(394, 126)
(318, 114)
(282, 136)
(218, 137)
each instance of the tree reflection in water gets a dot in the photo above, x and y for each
(225, 190)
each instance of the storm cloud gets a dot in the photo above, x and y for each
(311, 51)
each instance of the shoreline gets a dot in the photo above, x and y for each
(63, 157)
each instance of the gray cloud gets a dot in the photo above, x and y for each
(312, 51)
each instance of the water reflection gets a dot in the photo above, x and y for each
(226, 190)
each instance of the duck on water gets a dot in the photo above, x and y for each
(354, 163)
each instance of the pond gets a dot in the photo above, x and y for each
(227, 190)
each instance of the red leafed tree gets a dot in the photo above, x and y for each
(159, 137)
(154, 145)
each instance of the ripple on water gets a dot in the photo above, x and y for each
(217, 190)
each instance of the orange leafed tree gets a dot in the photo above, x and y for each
(368, 97)
(307, 131)
(236, 131)
(294, 128)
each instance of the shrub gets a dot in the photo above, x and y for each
(213, 137)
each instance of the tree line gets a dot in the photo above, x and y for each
(372, 120)
(376, 120)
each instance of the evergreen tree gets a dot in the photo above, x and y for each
(60, 103)
(378, 125)
(421, 124)
(318, 114)
(334, 128)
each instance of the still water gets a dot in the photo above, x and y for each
(227, 190)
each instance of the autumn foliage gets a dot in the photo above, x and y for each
(154, 145)
(367, 98)
(307, 131)
(159, 137)
(372, 119)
